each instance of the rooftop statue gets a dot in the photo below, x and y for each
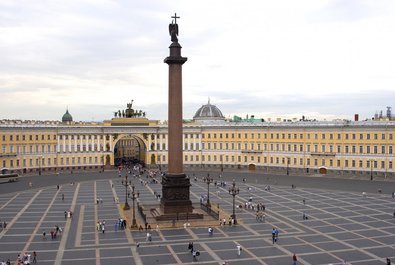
(129, 112)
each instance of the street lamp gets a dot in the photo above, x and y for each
(208, 180)
(126, 183)
(39, 164)
(222, 163)
(287, 166)
(371, 169)
(134, 223)
(233, 191)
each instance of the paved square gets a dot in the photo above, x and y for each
(340, 225)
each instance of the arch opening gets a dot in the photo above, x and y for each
(129, 150)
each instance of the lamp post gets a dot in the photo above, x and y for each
(39, 164)
(126, 183)
(134, 223)
(222, 163)
(287, 166)
(371, 169)
(233, 191)
(208, 180)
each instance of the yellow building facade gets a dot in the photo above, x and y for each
(303, 147)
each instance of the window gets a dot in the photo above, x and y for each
(390, 149)
(323, 136)
(383, 149)
(361, 149)
(368, 136)
(368, 149)
(360, 136)
(353, 136)
(383, 136)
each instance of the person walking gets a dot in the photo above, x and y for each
(294, 259)
(276, 234)
(34, 257)
(273, 235)
(388, 261)
(238, 247)
(210, 231)
(190, 247)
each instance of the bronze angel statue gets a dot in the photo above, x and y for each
(173, 30)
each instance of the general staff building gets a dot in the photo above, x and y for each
(209, 141)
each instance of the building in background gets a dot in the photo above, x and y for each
(209, 142)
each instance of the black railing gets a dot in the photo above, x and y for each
(210, 211)
(141, 211)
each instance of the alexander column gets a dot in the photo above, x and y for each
(175, 185)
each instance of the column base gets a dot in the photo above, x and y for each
(175, 194)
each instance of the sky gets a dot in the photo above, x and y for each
(323, 59)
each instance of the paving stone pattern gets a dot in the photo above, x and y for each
(340, 225)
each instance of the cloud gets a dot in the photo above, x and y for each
(327, 58)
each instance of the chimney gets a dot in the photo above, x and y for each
(356, 117)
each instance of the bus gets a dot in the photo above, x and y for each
(7, 176)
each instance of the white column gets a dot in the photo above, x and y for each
(64, 143)
(87, 142)
(58, 144)
(75, 143)
(160, 142)
(70, 144)
(111, 143)
(81, 144)
(149, 142)
(104, 143)
(155, 141)
(183, 141)
(98, 143)
(194, 141)
(166, 142)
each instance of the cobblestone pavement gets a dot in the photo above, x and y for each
(341, 225)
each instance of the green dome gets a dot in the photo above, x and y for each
(67, 117)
